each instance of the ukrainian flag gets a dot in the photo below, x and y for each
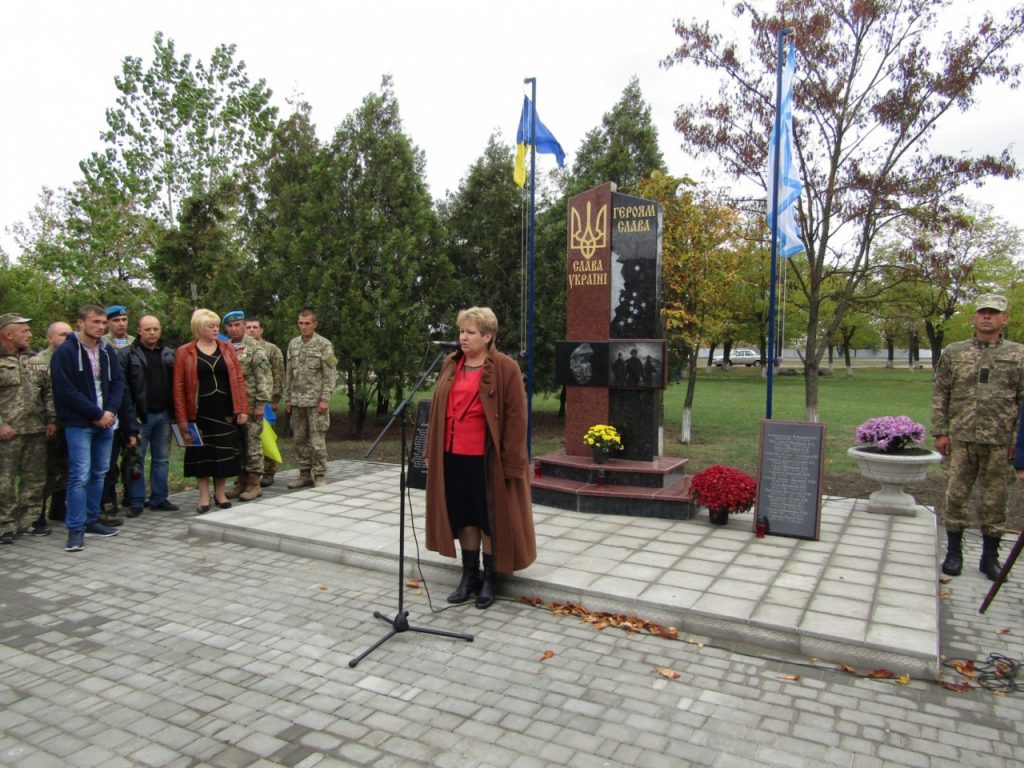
(544, 142)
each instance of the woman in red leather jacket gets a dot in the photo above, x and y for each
(209, 391)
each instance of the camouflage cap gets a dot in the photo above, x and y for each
(11, 318)
(990, 301)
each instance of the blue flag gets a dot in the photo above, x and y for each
(544, 142)
(789, 185)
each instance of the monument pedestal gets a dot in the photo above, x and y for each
(658, 488)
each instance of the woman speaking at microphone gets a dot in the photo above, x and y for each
(478, 486)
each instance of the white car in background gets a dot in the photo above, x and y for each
(747, 357)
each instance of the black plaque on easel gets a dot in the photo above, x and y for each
(416, 477)
(791, 463)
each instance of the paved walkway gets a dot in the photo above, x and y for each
(161, 647)
(865, 593)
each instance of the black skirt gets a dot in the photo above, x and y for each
(465, 492)
(218, 455)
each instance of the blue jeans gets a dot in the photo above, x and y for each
(154, 435)
(88, 461)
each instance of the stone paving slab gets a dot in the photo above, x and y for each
(162, 648)
(865, 593)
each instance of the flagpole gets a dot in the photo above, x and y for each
(773, 216)
(531, 247)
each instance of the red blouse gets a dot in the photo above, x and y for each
(465, 426)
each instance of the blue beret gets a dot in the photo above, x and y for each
(117, 310)
(234, 316)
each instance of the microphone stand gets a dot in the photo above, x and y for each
(400, 623)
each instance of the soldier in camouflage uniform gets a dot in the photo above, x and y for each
(976, 397)
(117, 336)
(259, 381)
(254, 328)
(309, 382)
(27, 416)
(56, 449)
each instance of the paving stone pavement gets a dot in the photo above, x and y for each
(157, 648)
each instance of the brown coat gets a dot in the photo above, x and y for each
(186, 382)
(505, 457)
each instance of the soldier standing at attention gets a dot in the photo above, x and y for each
(26, 419)
(976, 398)
(254, 328)
(258, 384)
(309, 382)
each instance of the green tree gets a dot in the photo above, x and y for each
(624, 149)
(484, 224)
(701, 264)
(199, 262)
(28, 291)
(871, 87)
(381, 265)
(180, 126)
(93, 243)
(285, 212)
(935, 257)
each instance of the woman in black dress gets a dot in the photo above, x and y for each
(209, 390)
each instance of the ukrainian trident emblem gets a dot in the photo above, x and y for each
(590, 236)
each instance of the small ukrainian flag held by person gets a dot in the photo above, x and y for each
(544, 141)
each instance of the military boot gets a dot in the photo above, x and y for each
(304, 480)
(990, 564)
(237, 489)
(267, 480)
(319, 480)
(252, 487)
(954, 562)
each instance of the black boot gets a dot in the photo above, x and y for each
(486, 597)
(470, 583)
(954, 562)
(990, 564)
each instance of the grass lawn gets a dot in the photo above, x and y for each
(727, 413)
(730, 405)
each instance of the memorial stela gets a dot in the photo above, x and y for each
(613, 361)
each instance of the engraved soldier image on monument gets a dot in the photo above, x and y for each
(612, 363)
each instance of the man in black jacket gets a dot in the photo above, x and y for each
(148, 366)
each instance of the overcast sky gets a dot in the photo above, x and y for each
(458, 69)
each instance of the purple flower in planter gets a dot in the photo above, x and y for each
(890, 434)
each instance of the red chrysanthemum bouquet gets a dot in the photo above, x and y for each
(724, 489)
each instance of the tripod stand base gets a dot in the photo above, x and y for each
(401, 624)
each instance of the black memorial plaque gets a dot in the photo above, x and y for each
(417, 473)
(789, 476)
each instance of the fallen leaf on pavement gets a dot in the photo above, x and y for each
(848, 669)
(903, 679)
(546, 655)
(600, 620)
(789, 677)
(965, 668)
(413, 582)
(1003, 631)
(958, 687)
(671, 674)
(881, 674)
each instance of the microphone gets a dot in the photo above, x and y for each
(446, 344)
